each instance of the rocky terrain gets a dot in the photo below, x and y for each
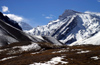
(29, 53)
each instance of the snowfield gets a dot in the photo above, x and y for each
(95, 40)
(33, 46)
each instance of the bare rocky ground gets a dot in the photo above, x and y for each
(48, 54)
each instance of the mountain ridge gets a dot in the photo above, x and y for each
(71, 26)
(9, 21)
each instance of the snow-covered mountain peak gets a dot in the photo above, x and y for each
(68, 13)
(70, 27)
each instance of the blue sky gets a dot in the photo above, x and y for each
(40, 12)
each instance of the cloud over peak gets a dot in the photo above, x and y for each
(95, 13)
(15, 17)
(5, 9)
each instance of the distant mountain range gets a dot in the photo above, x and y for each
(71, 28)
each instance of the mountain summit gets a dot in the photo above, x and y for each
(72, 27)
(68, 13)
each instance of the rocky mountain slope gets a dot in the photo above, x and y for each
(9, 21)
(70, 27)
(11, 32)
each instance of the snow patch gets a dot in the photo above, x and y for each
(83, 52)
(8, 58)
(76, 49)
(33, 46)
(35, 53)
(60, 51)
(95, 58)
(40, 37)
(3, 50)
(53, 61)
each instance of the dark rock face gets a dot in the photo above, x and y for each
(10, 31)
(10, 34)
(66, 28)
(9, 21)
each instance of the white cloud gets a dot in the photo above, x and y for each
(51, 15)
(98, 0)
(89, 12)
(5, 9)
(13, 16)
(43, 14)
(16, 17)
(48, 17)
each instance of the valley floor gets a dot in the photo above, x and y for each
(75, 55)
